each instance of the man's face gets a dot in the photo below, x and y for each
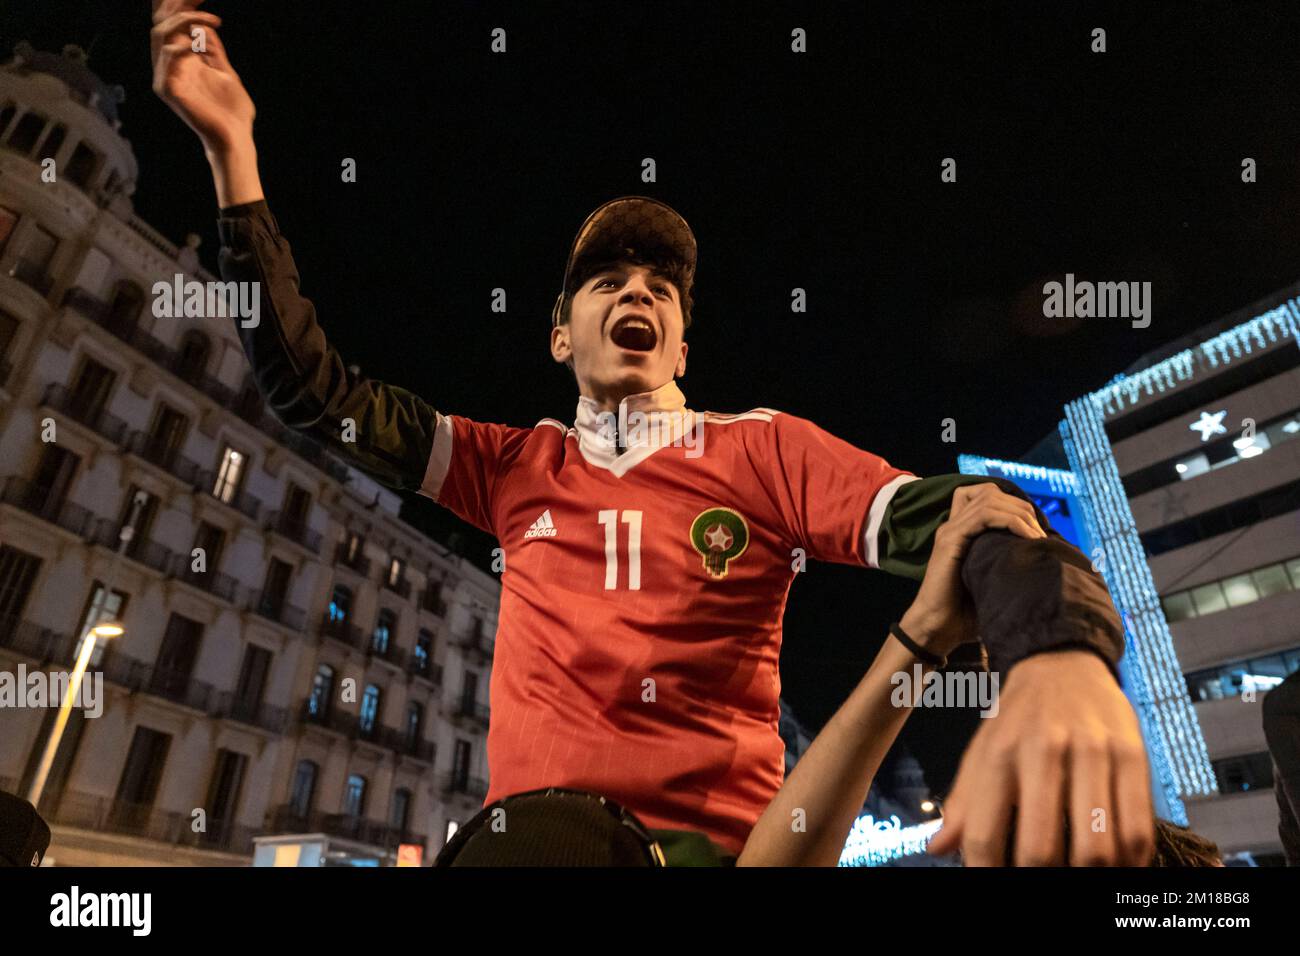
(624, 333)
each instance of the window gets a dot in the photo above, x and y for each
(322, 691)
(304, 789)
(1208, 598)
(176, 657)
(252, 679)
(423, 651)
(230, 475)
(1247, 772)
(354, 796)
(50, 148)
(192, 360)
(138, 785)
(54, 476)
(166, 436)
(340, 604)
(384, 628)
(88, 396)
(1231, 679)
(223, 793)
(1271, 580)
(369, 709)
(124, 307)
(460, 765)
(414, 718)
(26, 133)
(18, 571)
(1240, 590)
(277, 586)
(83, 165)
(401, 810)
(1293, 569)
(396, 570)
(112, 608)
(1178, 607)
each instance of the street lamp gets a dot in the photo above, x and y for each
(106, 630)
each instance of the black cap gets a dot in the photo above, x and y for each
(632, 226)
(24, 836)
(552, 827)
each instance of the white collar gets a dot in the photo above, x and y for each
(644, 423)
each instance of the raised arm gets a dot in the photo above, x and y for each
(385, 431)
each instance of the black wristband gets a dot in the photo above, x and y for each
(928, 657)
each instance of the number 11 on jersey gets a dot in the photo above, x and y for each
(632, 519)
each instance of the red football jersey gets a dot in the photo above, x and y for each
(643, 592)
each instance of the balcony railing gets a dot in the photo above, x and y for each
(295, 529)
(34, 640)
(402, 743)
(33, 274)
(342, 631)
(214, 582)
(391, 653)
(473, 711)
(358, 563)
(38, 501)
(401, 587)
(327, 715)
(426, 668)
(169, 459)
(476, 641)
(254, 713)
(141, 550)
(431, 601)
(58, 397)
(287, 819)
(241, 501)
(104, 814)
(276, 609)
(453, 783)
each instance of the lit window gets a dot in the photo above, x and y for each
(1178, 607)
(1240, 590)
(1192, 466)
(1271, 580)
(1209, 598)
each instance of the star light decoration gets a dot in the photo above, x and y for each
(1210, 425)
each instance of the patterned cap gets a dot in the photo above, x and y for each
(632, 226)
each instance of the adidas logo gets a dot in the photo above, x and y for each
(543, 527)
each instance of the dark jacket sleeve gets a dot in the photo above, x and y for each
(1030, 596)
(302, 377)
(1281, 719)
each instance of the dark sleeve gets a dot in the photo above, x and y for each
(302, 377)
(1030, 596)
(1281, 719)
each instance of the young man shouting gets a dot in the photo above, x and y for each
(646, 572)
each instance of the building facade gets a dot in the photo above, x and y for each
(296, 658)
(1184, 476)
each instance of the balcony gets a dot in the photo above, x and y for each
(329, 716)
(358, 562)
(219, 585)
(150, 449)
(401, 587)
(254, 713)
(425, 668)
(475, 642)
(476, 713)
(342, 631)
(472, 787)
(139, 549)
(39, 502)
(33, 640)
(33, 274)
(295, 529)
(390, 654)
(241, 501)
(431, 601)
(275, 608)
(106, 815)
(288, 819)
(58, 397)
(402, 743)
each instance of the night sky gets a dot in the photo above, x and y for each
(819, 171)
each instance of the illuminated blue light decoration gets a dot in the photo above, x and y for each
(1261, 331)
(1173, 733)
(1210, 425)
(876, 842)
(1062, 482)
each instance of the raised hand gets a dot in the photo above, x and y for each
(202, 88)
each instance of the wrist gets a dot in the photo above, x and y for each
(926, 632)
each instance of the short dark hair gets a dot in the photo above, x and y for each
(672, 269)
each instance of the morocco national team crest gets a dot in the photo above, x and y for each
(720, 535)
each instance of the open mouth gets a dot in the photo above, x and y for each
(634, 333)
